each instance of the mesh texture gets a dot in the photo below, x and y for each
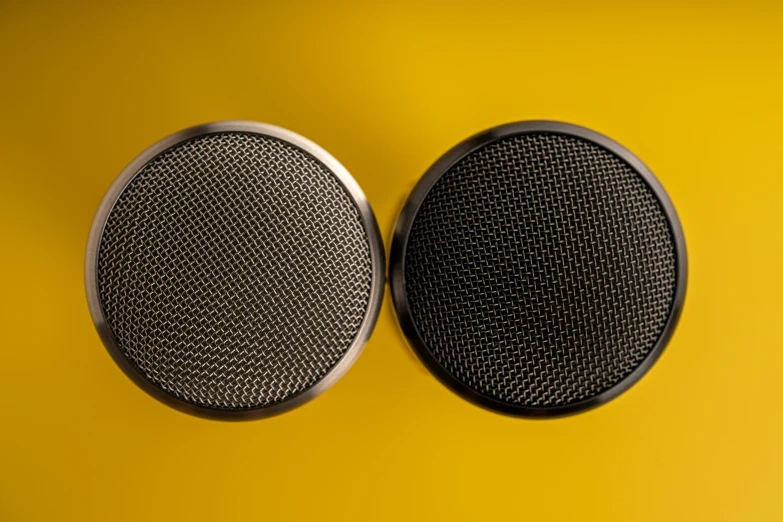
(234, 271)
(540, 270)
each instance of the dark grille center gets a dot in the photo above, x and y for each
(234, 271)
(540, 270)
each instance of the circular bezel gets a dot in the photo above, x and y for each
(377, 258)
(402, 232)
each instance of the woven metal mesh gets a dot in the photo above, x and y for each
(234, 271)
(540, 270)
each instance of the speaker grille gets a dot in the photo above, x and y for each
(540, 270)
(234, 271)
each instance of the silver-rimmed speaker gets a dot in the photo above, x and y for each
(538, 269)
(234, 270)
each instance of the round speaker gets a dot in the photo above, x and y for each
(538, 269)
(234, 270)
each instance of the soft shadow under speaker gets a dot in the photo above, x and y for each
(234, 270)
(538, 269)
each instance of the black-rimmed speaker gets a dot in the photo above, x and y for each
(538, 269)
(234, 270)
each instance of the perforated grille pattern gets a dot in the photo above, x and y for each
(540, 270)
(234, 271)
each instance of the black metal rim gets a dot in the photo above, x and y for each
(402, 232)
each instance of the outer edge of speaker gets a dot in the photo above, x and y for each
(377, 258)
(400, 241)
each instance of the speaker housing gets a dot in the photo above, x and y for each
(400, 244)
(296, 144)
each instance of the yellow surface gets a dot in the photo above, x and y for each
(696, 92)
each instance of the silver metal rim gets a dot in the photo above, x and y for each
(368, 220)
(400, 241)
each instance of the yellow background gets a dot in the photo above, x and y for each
(696, 92)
